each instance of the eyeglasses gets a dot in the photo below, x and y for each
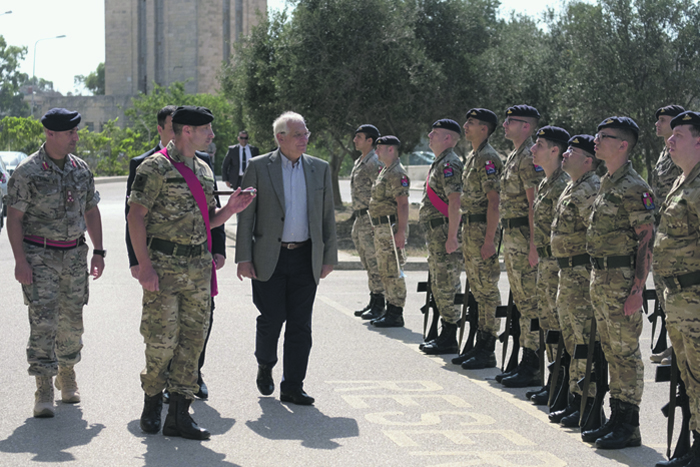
(305, 135)
(510, 120)
(242, 137)
(602, 136)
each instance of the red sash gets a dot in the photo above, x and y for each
(201, 200)
(435, 200)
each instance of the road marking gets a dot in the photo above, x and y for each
(428, 418)
(499, 458)
(406, 400)
(404, 386)
(405, 438)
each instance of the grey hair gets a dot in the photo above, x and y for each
(280, 124)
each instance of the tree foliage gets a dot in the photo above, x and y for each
(11, 99)
(94, 81)
(20, 134)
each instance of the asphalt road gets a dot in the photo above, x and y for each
(379, 400)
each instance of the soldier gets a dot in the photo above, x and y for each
(51, 201)
(439, 213)
(363, 175)
(662, 177)
(481, 185)
(389, 210)
(568, 241)
(518, 182)
(619, 240)
(677, 263)
(172, 209)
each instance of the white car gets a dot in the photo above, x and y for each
(12, 159)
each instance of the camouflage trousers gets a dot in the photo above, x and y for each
(659, 286)
(619, 334)
(394, 284)
(547, 285)
(683, 310)
(483, 275)
(445, 271)
(523, 282)
(363, 238)
(575, 315)
(55, 300)
(174, 323)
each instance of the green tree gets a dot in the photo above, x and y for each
(94, 81)
(11, 99)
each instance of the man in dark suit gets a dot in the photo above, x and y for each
(218, 234)
(285, 243)
(236, 161)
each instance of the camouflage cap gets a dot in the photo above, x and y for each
(522, 111)
(388, 140)
(448, 124)
(622, 123)
(58, 119)
(686, 118)
(670, 110)
(554, 134)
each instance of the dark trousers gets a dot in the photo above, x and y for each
(287, 296)
(206, 339)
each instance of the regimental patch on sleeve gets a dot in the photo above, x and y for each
(490, 168)
(448, 171)
(538, 168)
(139, 182)
(648, 201)
(404, 181)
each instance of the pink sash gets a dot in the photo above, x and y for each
(201, 200)
(435, 200)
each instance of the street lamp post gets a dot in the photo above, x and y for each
(6, 13)
(34, 65)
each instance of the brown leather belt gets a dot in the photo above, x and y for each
(294, 245)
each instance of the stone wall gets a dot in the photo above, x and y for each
(95, 110)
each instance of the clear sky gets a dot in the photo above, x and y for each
(82, 22)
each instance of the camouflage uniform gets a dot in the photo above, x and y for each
(482, 174)
(568, 240)
(391, 183)
(363, 175)
(676, 254)
(519, 175)
(623, 203)
(662, 177)
(54, 203)
(445, 178)
(547, 269)
(175, 318)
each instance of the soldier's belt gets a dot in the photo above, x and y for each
(383, 220)
(54, 244)
(360, 212)
(434, 223)
(611, 262)
(545, 251)
(674, 283)
(573, 261)
(474, 218)
(176, 249)
(515, 222)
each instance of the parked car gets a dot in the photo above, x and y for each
(12, 159)
(4, 177)
(421, 158)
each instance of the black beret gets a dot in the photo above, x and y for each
(485, 115)
(622, 123)
(584, 142)
(686, 118)
(670, 110)
(369, 130)
(522, 111)
(192, 115)
(60, 119)
(389, 141)
(554, 133)
(448, 124)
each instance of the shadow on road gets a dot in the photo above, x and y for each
(307, 424)
(49, 439)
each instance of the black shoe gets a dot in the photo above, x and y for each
(150, 417)
(463, 357)
(534, 392)
(422, 345)
(178, 421)
(528, 373)
(625, 432)
(592, 436)
(484, 357)
(266, 385)
(684, 460)
(445, 343)
(500, 377)
(297, 396)
(203, 392)
(572, 420)
(393, 318)
(166, 396)
(541, 398)
(367, 307)
(574, 406)
(376, 310)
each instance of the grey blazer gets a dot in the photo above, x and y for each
(260, 225)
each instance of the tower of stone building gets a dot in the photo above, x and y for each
(159, 41)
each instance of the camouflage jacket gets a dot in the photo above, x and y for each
(624, 202)
(173, 214)
(391, 183)
(445, 178)
(54, 201)
(572, 214)
(482, 174)
(677, 244)
(545, 202)
(663, 175)
(363, 175)
(519, 175)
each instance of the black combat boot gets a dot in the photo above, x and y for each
(150, 417)
(367, 307)
(530, 394)
(592, 435)
(625, 432)
(393, 318)
(467, 354)
(574, 406)
(178, 421)
(528, 373)
(574, 420)
(485, 355)
(445, 343)
(377, 309)
(692, 457)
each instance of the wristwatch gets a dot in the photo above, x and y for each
(102, 253)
